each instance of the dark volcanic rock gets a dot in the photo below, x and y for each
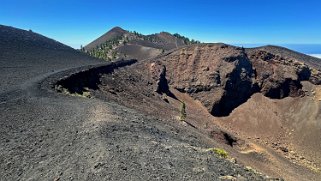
(158, 73)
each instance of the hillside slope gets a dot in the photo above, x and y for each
(25, 55)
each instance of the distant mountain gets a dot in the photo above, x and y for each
(122, 44)
(110, 35)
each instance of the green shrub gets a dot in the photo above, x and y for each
(219, 151)
(182, 116)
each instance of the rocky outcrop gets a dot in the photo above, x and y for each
(222, 77)
(78, 82)
(278, 77)
(158, 73)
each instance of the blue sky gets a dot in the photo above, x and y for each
(77, 22)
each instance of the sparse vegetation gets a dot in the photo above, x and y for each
(182, 116)
(219, 151)
(85, 93)
(138, 34)
(186, 40)
(106, 50)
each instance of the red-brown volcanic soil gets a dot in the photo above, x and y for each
(263, 108)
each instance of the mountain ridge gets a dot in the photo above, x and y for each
(118, 43)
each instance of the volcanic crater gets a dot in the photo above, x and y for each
(216, 81)
(220, 76)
